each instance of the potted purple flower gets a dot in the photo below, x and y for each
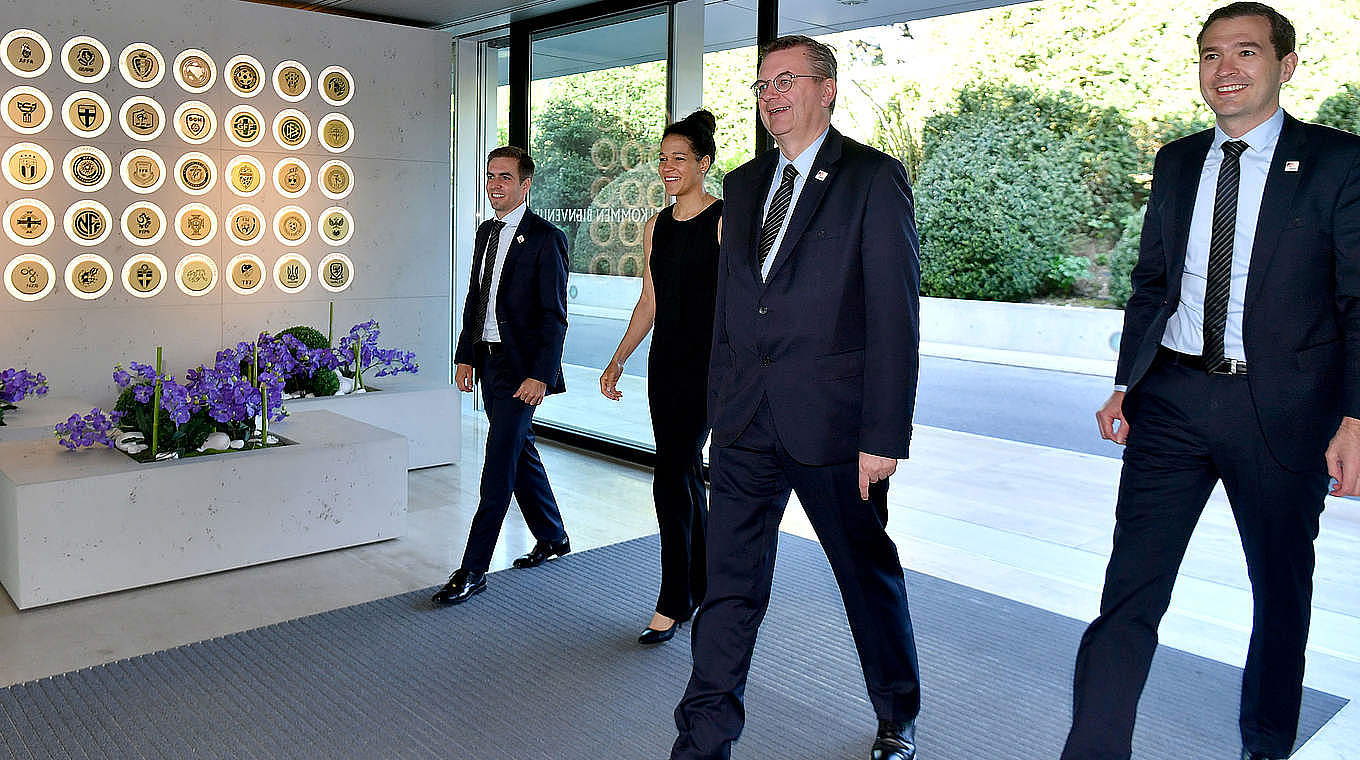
(17, 385)
(359, 353)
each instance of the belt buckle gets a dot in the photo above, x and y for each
(1231, 367)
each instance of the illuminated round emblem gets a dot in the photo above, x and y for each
(292, 82)
(195, 122)
(27, 110)
(245, 224)
(142, 65)
(143, 171)
(28, 166)
(194, 70)
(87, 168)
(85, 59)
(246, 274)
(336, 132)
(28, 221)
(291, 128)
(88, 222)
(142, 118)
(337, 86)
(143, 223)
(86, 114)
(196, 274)
(30, 277)
(246, 175)
(245, 126)
(245, 76)
(27, 53)
(291, 225)
(337, 179)
(335, 225)
(292, 273)
(291, 177)
(336, 272)
(195, 173)
(195, 224)
(144, 275)
(89, 276)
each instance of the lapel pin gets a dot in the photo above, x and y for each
(821, 175)
(519, 239)
(1291, 166)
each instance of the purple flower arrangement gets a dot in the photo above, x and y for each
(92, 429)
(359, 352)
(17, 385)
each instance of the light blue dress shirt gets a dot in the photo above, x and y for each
(803, 163)
(491, 331)
(1185, 328)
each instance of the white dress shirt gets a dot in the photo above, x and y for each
(803, 163)
(491, 332)
(1185, 328)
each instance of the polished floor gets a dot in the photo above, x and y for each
(1026, 522)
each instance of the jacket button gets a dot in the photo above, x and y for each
(766, 361)
(762, 311)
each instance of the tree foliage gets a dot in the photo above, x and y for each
(1342, 110)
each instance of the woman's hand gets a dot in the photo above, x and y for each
(609, 381)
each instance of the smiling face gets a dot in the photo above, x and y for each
(1239, 74)
(680, 169)
(504, 188)
(796, 117)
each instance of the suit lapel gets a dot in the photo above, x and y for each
(1277, 201)
(822, 173)
(1187, 188)
(764, 176)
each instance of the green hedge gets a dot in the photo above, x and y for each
(1342, 110)
(1124, 256)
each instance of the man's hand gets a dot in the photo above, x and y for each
(1110, 414)
(531, 391)
(1343, 458)
(462, 377)
(873, 468)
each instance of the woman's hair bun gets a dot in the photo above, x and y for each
(703, 119)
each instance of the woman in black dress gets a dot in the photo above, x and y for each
(679, 280)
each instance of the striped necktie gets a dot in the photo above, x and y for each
(774, 217)
(1219, 276)
(488, 265)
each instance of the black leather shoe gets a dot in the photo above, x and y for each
(653, 636)
(895, 741)
(1249, 755)
(462, 586)
(544, 551)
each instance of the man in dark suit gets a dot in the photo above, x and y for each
(812, 386)
(514, 323)
(1240, 362)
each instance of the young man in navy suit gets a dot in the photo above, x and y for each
(1240, 363)
(514, 323)
(812, 385)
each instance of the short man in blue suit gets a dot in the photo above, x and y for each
(812, 386)
(1240, 363)
(514, 324)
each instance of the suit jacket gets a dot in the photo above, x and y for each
(531, 302)
(1301, 323)
(832, 338)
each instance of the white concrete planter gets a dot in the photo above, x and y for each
(425, 413)
(77, 524)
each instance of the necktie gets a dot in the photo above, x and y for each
(774, 218)
(1219, 275)
(488, 264)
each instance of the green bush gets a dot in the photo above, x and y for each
(1342, 110)
(325, 382)
(1124, 256)
(308, 336)
(1009, 178)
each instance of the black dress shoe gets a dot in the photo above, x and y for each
(895, 741)
(1249, 755)
(462, 586)
(653, 636)
(544, 551)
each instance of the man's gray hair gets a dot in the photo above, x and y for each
(821, 56)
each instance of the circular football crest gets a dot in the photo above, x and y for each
(195, 70)
(335, 225)
(143, 223)
(88, 222)
(27, 53)
(85, 113)
(195, 173)
(28, 166)
(291, 128)
(245, 175)
(28, 222)
(85, 59)
(291, 226)
(292, 81)
(336, 132)
(30, 277)
(196, 275)
(195, 122)
(27, 110)
(245, 76)
(142, 118)
(336, 85)
(195, 224)
(292, 177)
(337, 179)
(144, 275)
(336, 272)
(142, 65)
(245, 224)
(245, 273)
(87, 168)
(89, 276)
(245, 126)
(143, 171)
(292, 273)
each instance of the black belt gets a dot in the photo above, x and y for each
(1228, 367)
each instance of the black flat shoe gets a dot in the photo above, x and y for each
(653, 636)
(895, 741)
(544, 551)
(462, 586)
(1249, 755)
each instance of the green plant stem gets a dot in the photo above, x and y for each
(330, 331)
(156, 409)
(358, 367)
(255, 363)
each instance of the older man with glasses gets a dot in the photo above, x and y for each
(811, 390)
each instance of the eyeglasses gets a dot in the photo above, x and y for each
(782, 82)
